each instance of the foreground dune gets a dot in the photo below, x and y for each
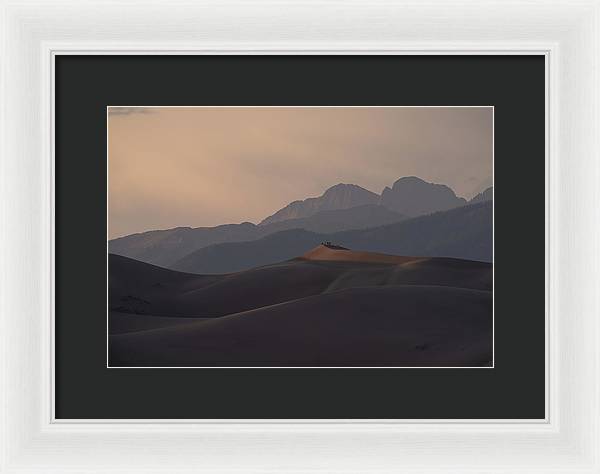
(388, 326)
(329, 307)
(121, 323)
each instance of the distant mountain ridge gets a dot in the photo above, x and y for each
(340, 196)
(340, 208)
(165, 247)
(359, 217)
(409, 196)
(486, 195)
(412, 197)
(465, 232)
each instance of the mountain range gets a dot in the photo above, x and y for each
(165, 247)
(486, 195)
(340, 196)
(412, 197)
(464, 232)
(338, 214)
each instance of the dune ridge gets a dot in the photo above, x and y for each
(329, 253)
(331, 306)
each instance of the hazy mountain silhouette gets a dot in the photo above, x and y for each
(360, 217)
(483, 196)
(411, 196)
(237, 256)
(338, 209)
(340, 196)
(165, 247)
(328, 307)
(464, 232)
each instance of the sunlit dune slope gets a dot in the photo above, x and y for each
(339, 254)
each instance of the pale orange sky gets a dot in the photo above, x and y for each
(206, 166)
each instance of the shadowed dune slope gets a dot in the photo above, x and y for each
(377, 326)
(330, 307)
(139, 288)
(120, 323)
(162, 294)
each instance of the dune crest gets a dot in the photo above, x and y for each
(336, 253)
(331, 307)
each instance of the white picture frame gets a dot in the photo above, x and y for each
(566, 33)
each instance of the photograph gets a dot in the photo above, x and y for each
(300, 237)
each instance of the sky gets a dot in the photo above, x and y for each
(205, 166)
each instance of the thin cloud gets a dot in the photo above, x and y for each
(130, 110)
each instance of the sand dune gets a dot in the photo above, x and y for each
(329, 307)
(121, 323)
(426, 271)
(387, 326)
(145, 289)
(327, 253)
(140, 288)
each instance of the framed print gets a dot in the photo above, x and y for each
(230, 245)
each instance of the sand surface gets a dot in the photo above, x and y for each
(328, 307)
(326, 253)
